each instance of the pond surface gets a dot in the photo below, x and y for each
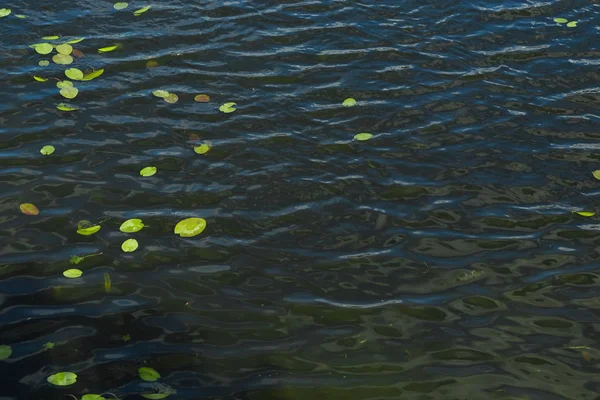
(440, 259)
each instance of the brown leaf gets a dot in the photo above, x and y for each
(202, 98)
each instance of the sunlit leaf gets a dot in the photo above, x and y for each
(585, 213)
(64, 49)
(20, 16)
(148, 171)
(129, 245)
(349, 102)
(43, 63)
(43, 48)
(74, 41)
(4, 12)
(148, 374)
(106, 49)
(160, 93)
(141, 11)
(69, 92)
(156, 396)
(92, 397)
(62, 59)
(63, 379)
(190, 227)
(171, 98)
(131, 225)
(47, 150)
(202, 149)
(151, 64)
(361, 137)
(560, 20)
(572, 24)
(64, 84)
(202, 98)
(50, 37)
(107, 282)
(40, 79)
(89, 230)
(66, 107)
(120, 5)
(93, 75)
(75, 260)
(227, 108)
(5, 352)
(48, 345)
(74, 73)
(72, 273)
(596, 174)
(29, 209)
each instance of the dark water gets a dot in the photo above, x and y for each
(438, 260)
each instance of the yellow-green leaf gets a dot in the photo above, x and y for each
(156, 396)
(50, 37)
(596, 174)
(20, 16)
(66, 107)
(92, 397)
(160, 93)
(202, 149)
(64, 84)
(72, 273)
(141, 11)
(227, 108)
(190, 227)
(74, 41)
(43, 63)
(64, 49)
(89, 230)
(171, 98)
(585, 213)
(63, 378)
(40, 79)
(47, 150)
(361, 137)
(106, 49)
(560, 20)
(43, 48)
(5, 352)
(131, 225)
(120, 5)
(93, 75)
(62, 59)
(572, 24)
(148, 171)
(74, 73)
(349, 102)
(148, 374)
(29, 209)
(129, 245)
(69, 92)
(4, 12)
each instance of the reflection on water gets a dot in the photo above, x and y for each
(440, 259)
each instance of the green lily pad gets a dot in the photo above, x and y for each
(92, 397)
(5, 352)
(171, 98)
(349, 102)
(129, 245)
(202, 98)
(585, 213)
(72, 273)
(560, 20)
(141, 11)
(88, 230)
(47, 150)
(190, 227)
(69, 92)
(131, 225)
(64, 84)
(361, 137)
(596, 174)
(156, 396)
(74, 73)
(74, 41)
(93, 75)
(4, 12)
(29, 209)
(120, 5)
(63, 379)
(106, 49)
(572, 24)
(43, 63)
(64, 49)
(148, 374)
(50, 37)
(66, 107)
(62, 59)
(202, 149)
(148, 171)
(43, 48)
(40, 79)
(228, 108)
(160, 93)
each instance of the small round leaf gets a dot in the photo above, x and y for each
(572, 24)
(64, 84)
(43, 63)
(228, 108)
(4, 12)
(62, 59)
(131, 225)
(361, 137)
(72, 273)
(596, 174)
(160, 93)
(44, 48)
(47, 150)
(64, 49)
(63, 379)
(202, 98)
(349, 102)
(120, 5)
(148, 374)
(5, 352)
(29, 209)
(69, 92)
(202, 149)
(560, 20)
(129, 245)
(171, 98)
(74, 73)
(148, 171)
(190, 227)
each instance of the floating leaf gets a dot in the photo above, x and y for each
(560, 20)
(64, 49)
(148, 171)
(227, 108)
(50, 37)
(64, 84)
(596, 174)
(202, 98)
(5, 351)
(89, 230)
(92, 397)
(4, 12)
(43, 48)
(72, 273)
(361, 137)
(74, 73)
(171, 98)
(572, 24)
(69, 92)
(77, 53)
(202, 149)
(141, 11)
(120, 5)
(93, 75)
(40, 79)
(106, 49)
(62, 59)
(63, 379)
(126, 338)
(190, 227)
(75, 260)
(43, 63)
(47, 150)
(129, 245)
(585, 213)
(29, 209)
(107, 282)
(160, 93)
(66, 107)
(74, 41)
(20, 16)
(349, 102)
(48, 345)
(151, 64)
(131, 225)
(148, 374)
(156, 396)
